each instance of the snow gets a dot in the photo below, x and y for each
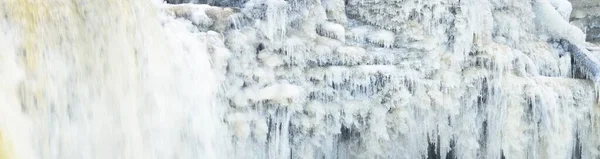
(556, 27)
(563, 7)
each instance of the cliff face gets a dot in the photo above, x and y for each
(405, 79)
(586, 15)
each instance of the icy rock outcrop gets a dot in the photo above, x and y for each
(586, 16)
(409, 79)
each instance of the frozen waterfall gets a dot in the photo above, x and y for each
(326, 79)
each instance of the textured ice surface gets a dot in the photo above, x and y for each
(297, 79)
(412, 79)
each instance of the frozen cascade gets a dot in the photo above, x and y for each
(106, 79)
(297, 79)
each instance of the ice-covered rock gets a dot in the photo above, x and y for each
(586, 17)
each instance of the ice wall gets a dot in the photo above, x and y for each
(408, 79)
(296, 79)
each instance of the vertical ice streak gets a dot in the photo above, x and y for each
(105, 79)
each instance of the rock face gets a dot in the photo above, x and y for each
(586, 15)
(409, 79)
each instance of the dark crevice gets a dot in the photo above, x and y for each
(270, 129)
(482, 99)
(577, 73)
(577, 149)
(260, 47)
(483, 137)
(348, 134)
(529, 110)
(434, 151)
(451, 153)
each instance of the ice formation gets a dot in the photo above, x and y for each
(435, 79)
(296, 79)
(108, 79)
